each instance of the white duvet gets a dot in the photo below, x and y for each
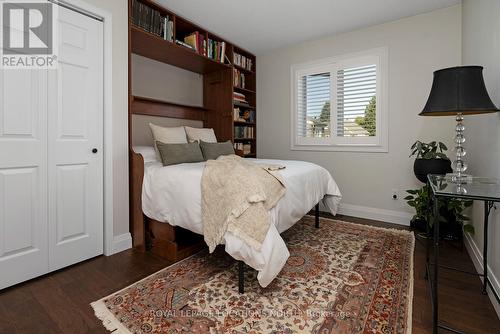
(173, 194)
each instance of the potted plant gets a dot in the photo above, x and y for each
(430, 159)
(452, 220)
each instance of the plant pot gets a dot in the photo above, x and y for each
(422, 167)
(418, 224)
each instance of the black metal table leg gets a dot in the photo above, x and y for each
(487, 208)
(316, 216)
(241, 277)
(435, 299)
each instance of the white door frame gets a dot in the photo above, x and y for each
(108, 115)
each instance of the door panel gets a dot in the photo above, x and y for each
(23, 175)
(72, 204)
(18, 192)
(75, 115)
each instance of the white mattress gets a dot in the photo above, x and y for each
(173, 194)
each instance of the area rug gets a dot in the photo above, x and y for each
(341, 278)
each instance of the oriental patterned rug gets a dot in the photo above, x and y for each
(343, 278)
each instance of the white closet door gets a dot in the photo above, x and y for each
(23, 175)
(75, 118)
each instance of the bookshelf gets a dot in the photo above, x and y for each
(229, 72)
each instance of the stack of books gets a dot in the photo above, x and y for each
(242, 61)
(243, 132)
(239, 98)
(216, 50)
(196, 42)
(239, 79)
(152, 21)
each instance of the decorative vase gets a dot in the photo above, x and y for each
(422, 167)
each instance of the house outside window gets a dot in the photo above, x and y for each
(340, 103)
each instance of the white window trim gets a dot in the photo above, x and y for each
(378, 143)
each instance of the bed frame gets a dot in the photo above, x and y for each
(171, 242)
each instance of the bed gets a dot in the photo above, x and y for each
(170, 199)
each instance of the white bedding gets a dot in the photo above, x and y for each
(173, 194)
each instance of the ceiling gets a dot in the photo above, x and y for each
(262, 25)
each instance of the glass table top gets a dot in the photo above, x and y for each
(479, 188)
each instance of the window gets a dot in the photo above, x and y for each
(339, 104)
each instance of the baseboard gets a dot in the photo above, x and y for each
(477, 258)
(122, 242)
(389, 216)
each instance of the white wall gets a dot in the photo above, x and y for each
(119, 10)
(481, 46)
(417, 46)
(164, 82)
(161, 81)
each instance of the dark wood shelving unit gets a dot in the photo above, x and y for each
(218, 77)
(217, 111)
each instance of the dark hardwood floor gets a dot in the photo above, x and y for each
(59, 302)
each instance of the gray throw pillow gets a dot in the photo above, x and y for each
(172, 154)
(212, 151)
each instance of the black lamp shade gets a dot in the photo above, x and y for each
(458, 90)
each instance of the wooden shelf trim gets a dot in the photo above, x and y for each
(152, 107)
(240, 123)
(151, 46)
(243, 69)
(244, 89)
(244, 139)
(243, 105)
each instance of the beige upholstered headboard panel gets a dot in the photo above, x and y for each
(141, 134)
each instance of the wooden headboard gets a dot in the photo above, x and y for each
(151, 107)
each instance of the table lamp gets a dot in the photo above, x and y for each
(459, 91)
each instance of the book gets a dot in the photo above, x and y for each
(223, 52)
(192, 40)
(184, 44)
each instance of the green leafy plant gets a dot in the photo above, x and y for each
(432, 150)
(450, 210)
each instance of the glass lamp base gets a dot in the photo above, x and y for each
(459, 178)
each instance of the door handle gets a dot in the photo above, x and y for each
(94, 150)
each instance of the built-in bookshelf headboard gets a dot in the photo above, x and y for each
(146, 110)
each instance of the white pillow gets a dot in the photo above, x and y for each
(172, 135)
(197, 134)
(148, 153)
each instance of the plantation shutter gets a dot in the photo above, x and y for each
(356, 104)
(313, 105)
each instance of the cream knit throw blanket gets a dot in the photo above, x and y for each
(236, 196)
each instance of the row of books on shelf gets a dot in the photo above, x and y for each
(242, 61)
(152, 21)
(216, 50)
(195, 42)
(212, 49)
(239, 78)
(246, 148)
(247, 116)
(244, 132)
